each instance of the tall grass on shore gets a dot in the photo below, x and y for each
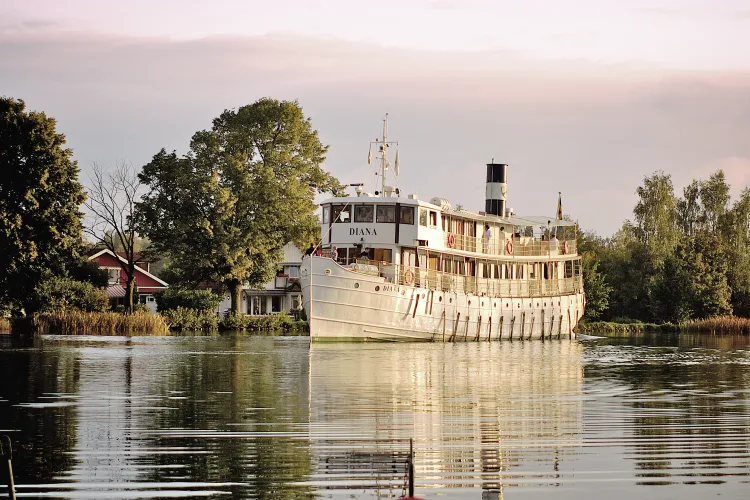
(630, 327)
(725, 325)
(99, 323)
(4, 325)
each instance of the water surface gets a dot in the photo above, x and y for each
(276, 418)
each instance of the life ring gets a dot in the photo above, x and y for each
(565, 247)
(509, 247)
(408, 277)
(451, 240)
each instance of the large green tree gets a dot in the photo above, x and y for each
(40, 221)
(246, 187)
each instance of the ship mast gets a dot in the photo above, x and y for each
(382, 147)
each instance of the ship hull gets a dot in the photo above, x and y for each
(345, 305)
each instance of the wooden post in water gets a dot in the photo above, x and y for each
(411, 468)
(559, 327)
(532, 322)
(479, 328)
(489, 330)
(523, 323)
(531, 330)
(444, 320)
(512, 325)
(500, 333)
(455, 327)
(6, 452)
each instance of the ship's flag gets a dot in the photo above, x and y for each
(395, 164)
(559, 206)
(369, 155)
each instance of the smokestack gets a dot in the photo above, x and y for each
(497, 188)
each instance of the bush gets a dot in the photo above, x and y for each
(273, 322)
(182, 318)
(65, 294)
(142, 308)
(172, 298)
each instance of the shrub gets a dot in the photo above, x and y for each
(65, 294)
(172, 298)
(182, 318)
(142, 308)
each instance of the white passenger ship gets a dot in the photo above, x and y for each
(397, 268)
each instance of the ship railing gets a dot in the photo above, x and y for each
(438, 280)
(523, 246)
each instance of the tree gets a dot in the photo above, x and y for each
(40, 221)
(656, 216)
(111, 205)
(246, 187)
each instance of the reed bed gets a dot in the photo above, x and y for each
(731, 325)
(99, 323)
(4, 325)
(634, 327)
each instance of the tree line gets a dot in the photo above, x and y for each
(679, 258)
(219, 213)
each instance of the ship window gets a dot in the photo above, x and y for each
(386, 213)
(383, 255)
(423, 217)
(407, 215)
(341, 213)
(433, 218)
(326, 214)
(569, 269)
(364, 213)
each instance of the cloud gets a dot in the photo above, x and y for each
(592, 131)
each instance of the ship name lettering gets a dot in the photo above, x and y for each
(390, 288)
(362, 231)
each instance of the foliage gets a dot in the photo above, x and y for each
(98, 323)
(40, 222)
(224, 211)
(625, 328)
(595, 287)
(90, 272)
(271, 322)
(65, 294)
(174, 297)
(681, 259)
(182, 318)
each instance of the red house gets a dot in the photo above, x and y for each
(146, 283)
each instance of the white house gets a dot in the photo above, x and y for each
(283, 293)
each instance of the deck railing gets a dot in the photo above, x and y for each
(438, 280)
(525, 246)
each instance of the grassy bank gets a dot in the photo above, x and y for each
(98, 323)
(634, 327)
(731, 325)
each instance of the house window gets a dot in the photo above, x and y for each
(113, 275)
(407, 215)
(292, 271)
(386, 213)
(276, 304)
(364, 213)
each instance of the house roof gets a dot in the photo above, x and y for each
(121, 259)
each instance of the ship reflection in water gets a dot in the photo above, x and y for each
(481, 415)
(277, 418)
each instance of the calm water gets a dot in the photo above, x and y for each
(276, 418)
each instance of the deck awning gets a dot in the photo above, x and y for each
(115, 291)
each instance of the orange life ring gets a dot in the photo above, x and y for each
(509, 247)
(408, 277)
(451, 240)
(565, 247)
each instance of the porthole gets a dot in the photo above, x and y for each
(494, 304)
(537, 304)
(469, 302)
(328, 271)
(440, 299)
(506, 305)
(356, 285)
(450, 301)
(377, 288)
(519, 305)
(545, 304)
(481, 304)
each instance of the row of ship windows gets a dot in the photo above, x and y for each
(367, 213)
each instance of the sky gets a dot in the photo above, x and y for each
(581, 97)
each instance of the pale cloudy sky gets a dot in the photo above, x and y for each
(585, 97)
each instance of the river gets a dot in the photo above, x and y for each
(275, 418)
